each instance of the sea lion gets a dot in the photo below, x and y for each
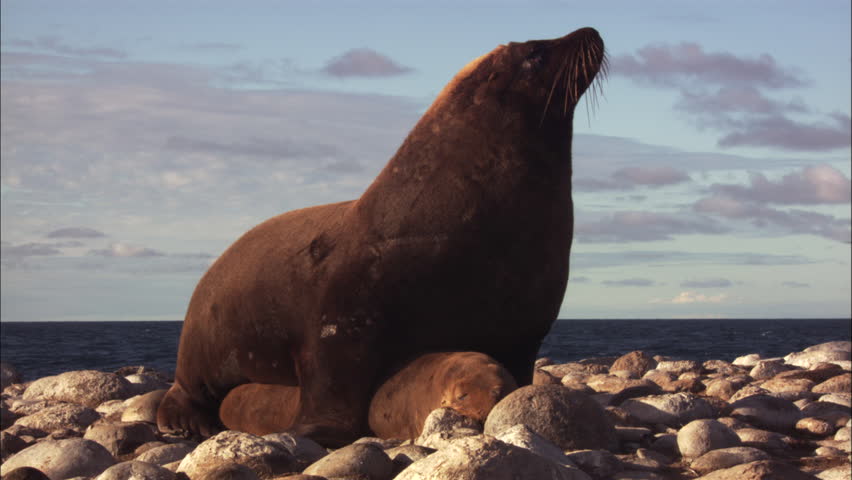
(470, 383)
(461, 243)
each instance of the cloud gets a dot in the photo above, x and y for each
(582, 259)
(789, 221)
(794, 284)
(782, 132)
(254, 147)
(123, 250)
(725, 92)
(17, 256)
(364, 62)
(692, 297)
(630, 282)
(739, 98)
(630, 226)
(75, 232)
(29, 250)
(687, 63)
(819, 184)
(56, 45)
(626, 178)
(707, 283)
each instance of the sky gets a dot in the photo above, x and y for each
(140, 139)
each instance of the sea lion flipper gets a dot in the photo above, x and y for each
(260, 408)
(177, 413)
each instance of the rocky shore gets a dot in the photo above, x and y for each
(631, 417)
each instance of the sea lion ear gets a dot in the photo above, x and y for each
(496, 82)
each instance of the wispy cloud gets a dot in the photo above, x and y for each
(123, 250)
(630, 282)
(57, 45)
(814, 185)
(731, 99)
(820, 184)
(692, 297)
(75, 232)
(795, 284)
(630, 177)
(364, 62)
(630, 226)
(688, 63)
(707, 283)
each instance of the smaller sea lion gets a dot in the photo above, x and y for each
(470, 383)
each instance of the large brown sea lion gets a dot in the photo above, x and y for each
(461, 243)
(470, 383)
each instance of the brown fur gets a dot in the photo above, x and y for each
(461, 243)
(260, 408)
(468, 382)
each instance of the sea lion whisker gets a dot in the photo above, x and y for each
(550, 94)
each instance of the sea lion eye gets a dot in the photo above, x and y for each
(461, 396)
(532, 61)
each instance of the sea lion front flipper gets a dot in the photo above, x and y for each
(178, 414)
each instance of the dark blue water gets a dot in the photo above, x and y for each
(46, 348)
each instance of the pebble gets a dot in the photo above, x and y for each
(481, 457)
(264, 457)
(727, 457)
(134, 470)
(165, 454)
(627, 417)
(142, 408)
(570, 419)
(85, 387)
(635, 363)
(74, 457)
(669, 409)
(767, 411)
(120, 438)
(701, 436)
(62, 416)
(359, 460)
(522, 436)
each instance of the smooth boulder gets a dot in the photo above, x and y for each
(58, 459)
(569, 419)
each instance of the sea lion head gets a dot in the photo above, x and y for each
(542, 80)
(474, 393)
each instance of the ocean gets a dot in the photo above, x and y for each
(37, 349)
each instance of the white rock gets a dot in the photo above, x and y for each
(485, 458)
(669, 409)
(264, 457)
(841, 472)
(749, 360)
(167, 453)
(64, 415)
(136, 470)
(845, 346)
(701, 436)
(522, 436)
(58, 459)
(811, 358)
(83, 387)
